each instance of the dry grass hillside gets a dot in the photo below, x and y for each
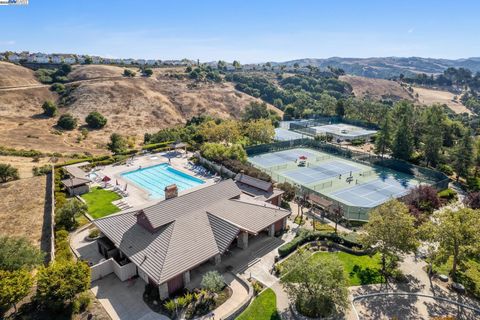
(382, 89)
(376, 89)
(132, 106)
(12, 75)
(430, 96)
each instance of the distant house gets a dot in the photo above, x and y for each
(96, 60)
(2, 57)
(128, 61)
(14, 58)
(57, 59)
(140, 62)
(165, 242)
(69, 60)
(80, 59)
(259, 189)
(151, 62)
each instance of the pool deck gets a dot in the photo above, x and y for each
(137, 197)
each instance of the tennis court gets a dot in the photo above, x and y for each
(315, 173)
(282, 134)
(281, 157)
(374, 193)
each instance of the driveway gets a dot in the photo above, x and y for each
(123, 300)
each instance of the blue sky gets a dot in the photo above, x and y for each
(250, 31)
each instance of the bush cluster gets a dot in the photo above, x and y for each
(304, 236)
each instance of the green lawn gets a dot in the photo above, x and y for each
(264, 307)
(360, 270)
(99, 202)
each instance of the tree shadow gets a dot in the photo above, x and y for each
(366, 275)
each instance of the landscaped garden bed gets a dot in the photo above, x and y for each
(360, 270)
(99, 202)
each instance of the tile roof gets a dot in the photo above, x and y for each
(189, 229)
(74, 182)
(254, 182)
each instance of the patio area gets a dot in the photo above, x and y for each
(85, 250)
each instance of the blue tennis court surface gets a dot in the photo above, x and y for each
(281, 157)
(373, 193)
(316, 173)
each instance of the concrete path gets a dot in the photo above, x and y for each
(123, 300)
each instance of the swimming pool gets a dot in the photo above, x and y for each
(154, 179)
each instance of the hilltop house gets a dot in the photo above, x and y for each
(14, 58)
(57, 59)
(163, 243)
(69, 60)
(151, 62)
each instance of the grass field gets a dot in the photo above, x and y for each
(360, 270)
(264, 307)
(99, 202)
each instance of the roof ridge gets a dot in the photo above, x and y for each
(228, 221)
(259, 204)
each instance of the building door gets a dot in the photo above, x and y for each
(175, 284)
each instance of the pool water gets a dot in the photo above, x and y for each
(154, 179)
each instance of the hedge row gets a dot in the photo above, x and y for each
(304, 236)
(154, 146)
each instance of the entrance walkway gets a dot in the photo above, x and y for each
(124, 300)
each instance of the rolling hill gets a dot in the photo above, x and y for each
(132, 106)
(387, 67)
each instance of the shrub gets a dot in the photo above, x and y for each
(304, 236)
(117, 143)
(128, 73)
(423, 198)
(93, 233)
(357, 142)
(213, 281)
(472, 200)
(8, 173)
(96, 120)
(445, 168)
(447, 194)
(67, 122)
(147, 72)
(49, 108)
(62, 246)
(81, 303)
(58, 88)
(41, 171)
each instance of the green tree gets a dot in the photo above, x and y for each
(320, 287)
(237, 65)
(50, 109)
(340, 108)
(88, 60)
(60, 282)
(67, 122)
(117, 143)
(8, 173)
(463, 156)
(96, 120)
(289, 191)
(256, 110)
(433, 136)
(213, 281)
(383, 142)
(17, 253)
(221, 65)
(457, 235)
(65, 215)
(402, 147)
(14, 286)
(390, 230)
(259, 131)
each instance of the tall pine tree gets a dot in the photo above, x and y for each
(463, 156)
(433, 136)
(383, 142)
(402, 147)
